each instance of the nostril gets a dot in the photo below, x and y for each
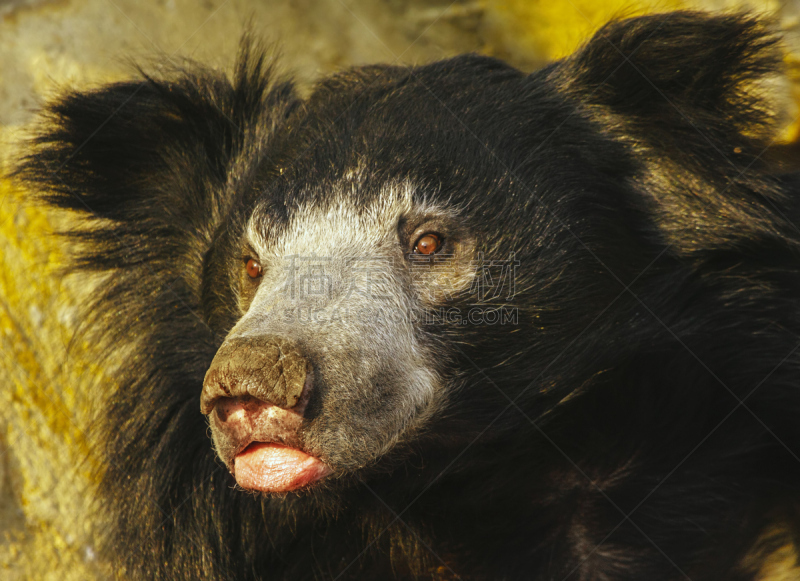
(230, 409)
(215, 388)
(222, 411)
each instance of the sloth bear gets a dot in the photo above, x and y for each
(450, 321)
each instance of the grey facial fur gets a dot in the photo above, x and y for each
(337, 282)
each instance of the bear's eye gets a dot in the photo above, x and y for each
(253, 268)
(428, 243)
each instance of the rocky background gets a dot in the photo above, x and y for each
(50, 388)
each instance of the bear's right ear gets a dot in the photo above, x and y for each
(156, 157)
(683, 71)
(154, 166)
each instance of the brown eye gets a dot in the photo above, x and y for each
(428, 244)
(253, 268)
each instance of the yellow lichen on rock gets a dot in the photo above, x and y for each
(46, 404)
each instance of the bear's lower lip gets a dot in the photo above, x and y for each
(271, 467)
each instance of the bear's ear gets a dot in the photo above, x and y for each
(153, 167)
(153, 164)
(693, 97)
(682, 68)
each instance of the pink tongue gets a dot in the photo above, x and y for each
(276, 468)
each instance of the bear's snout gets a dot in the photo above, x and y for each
(254, 395)
(269, 369)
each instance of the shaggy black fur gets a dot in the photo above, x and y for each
(642, 419)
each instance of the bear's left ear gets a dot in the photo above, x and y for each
(693, 97)
(680, 70)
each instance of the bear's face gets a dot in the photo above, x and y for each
(333, 299)
(347, 274)
(347, 279)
